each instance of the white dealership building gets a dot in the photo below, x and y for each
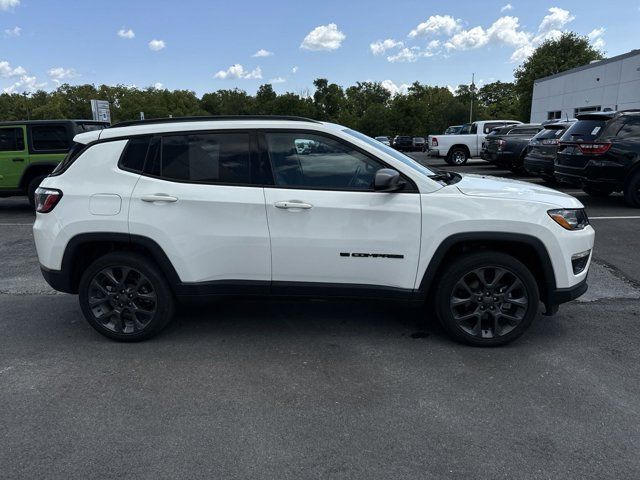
(611, 84)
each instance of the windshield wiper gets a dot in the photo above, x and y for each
(444, 176)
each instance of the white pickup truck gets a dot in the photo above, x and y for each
(457, 149)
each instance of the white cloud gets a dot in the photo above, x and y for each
(278, 80)
(8, 4)
(506, 8)
(406, 55)
(61, 73)
(158, 86)
(323, 38)
(262, 53)
(595, 36)
(126, 33)
(157, 45)
(295, 69)
(13, 32)
(237, 71)
(555, 20)
(25, 84)
(6, 71)
(393, 88)
(381, 46)
(436, 25)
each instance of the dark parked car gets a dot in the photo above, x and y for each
(404, 143)
(601, 152)
(542, 150)
(507, 146)
(419, 144)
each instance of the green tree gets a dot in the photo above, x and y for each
(553, 56)
(329, 99)
(499, 100)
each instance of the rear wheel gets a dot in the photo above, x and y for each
(457, 156)
(124, 296)
(32, 187)
(597, 191)
(486, 299)
(632, 191)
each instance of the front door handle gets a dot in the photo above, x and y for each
(18, 159)
(293, 204)
(158, 197)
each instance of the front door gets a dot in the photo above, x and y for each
(328, 225)
(13, 156)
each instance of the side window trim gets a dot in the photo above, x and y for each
(410, 188)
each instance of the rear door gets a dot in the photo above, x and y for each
(328, 226)
(13, 155)
(201, 199)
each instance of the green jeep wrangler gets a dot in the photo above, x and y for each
(30, 150)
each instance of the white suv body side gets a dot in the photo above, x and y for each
(274, 236)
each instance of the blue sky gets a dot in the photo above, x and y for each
(208, 45)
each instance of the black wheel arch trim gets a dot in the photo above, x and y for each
(39, 169)
(436, 262)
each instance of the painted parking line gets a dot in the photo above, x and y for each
(628, 217)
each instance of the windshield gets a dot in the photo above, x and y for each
(408, 161)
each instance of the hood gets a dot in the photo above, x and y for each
(495, 187)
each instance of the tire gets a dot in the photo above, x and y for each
(597, 192)
(457, 156)
(481, 320)
(107, 299)
(34, 183)
(632, 191)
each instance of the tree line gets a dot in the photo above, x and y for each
(365, 106)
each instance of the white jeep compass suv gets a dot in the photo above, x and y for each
(145, 213)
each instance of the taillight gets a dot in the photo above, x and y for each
(501, 143)
(434, 142)
(594, 148)
(46, 199)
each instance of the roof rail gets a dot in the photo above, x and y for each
(152, 121)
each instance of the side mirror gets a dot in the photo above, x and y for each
(388, 180)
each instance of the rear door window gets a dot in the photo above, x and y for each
(50, 138)
(206, 158)
(134, 154)
(631, 129)
(11, 139)
(584, 131)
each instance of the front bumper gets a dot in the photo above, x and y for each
(558, 296)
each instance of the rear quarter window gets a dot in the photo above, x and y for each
(134, 154)
(50, 138)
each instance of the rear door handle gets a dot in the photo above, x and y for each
(158, 197)
(18, 159)
(292, 204)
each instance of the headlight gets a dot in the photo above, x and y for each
(570, 218)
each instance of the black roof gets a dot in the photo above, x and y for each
(212, 118)
(45, 122)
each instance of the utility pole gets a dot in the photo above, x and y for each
(26, 103)
(473, 86)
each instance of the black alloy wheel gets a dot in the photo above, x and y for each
(486, 298)
(125, 297)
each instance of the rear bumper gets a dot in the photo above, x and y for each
(597, 172)
(537, 166)
(58, 280)
(433, 152)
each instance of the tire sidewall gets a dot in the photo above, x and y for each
(631, 194)
(165, 307)
(457, 268)
(452, 154)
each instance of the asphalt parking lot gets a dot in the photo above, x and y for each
(316, 389)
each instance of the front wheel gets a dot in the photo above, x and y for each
(125, 297)
(457, 156)
(486, 299)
